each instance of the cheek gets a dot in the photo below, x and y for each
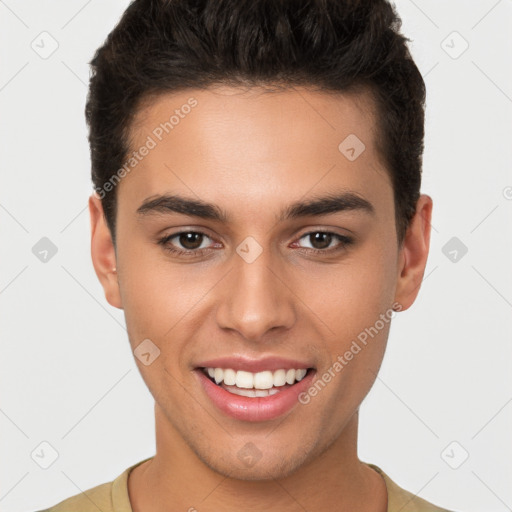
(352, 295)
(162, 301)
(142, 273)
(144, 303)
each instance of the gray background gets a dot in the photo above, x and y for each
(67, 375)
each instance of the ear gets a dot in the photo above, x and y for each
(103, 253)
(413, 254)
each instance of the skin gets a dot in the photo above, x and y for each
(260, 151)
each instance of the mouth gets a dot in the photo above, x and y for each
(254, 397)
(255, 385)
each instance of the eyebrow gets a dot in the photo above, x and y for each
(315, 206)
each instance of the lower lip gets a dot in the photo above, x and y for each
(257, 408)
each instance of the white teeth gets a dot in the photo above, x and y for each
(299, 374)
(261, 381)
(290, 376)
(279, 377)
(252, 392)
(229, 377)
(218, 375)
(243, 379)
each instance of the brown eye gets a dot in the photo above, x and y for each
(190, 240)
(321, 242)
(186, 243)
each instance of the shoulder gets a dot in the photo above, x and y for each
(107, 497)
(399, 498)
(92, 500)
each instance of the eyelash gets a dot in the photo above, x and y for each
(345, 242)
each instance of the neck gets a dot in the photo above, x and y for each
(333, 480)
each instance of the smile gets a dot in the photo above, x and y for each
(254, 396)
(255, 384)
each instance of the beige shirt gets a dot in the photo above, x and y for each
(113, 497)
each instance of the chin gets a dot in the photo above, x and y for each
(258, 473)
(261, 470)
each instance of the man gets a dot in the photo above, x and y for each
(257, 215)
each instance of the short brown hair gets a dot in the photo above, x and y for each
(163, 46)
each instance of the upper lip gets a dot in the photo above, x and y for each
(271, 363)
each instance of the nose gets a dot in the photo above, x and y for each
(256, 298)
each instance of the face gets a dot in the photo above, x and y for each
(254, 269)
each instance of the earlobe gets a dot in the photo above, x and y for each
(414, 253)
(103, 253)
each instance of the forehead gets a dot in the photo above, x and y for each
(254, 147)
